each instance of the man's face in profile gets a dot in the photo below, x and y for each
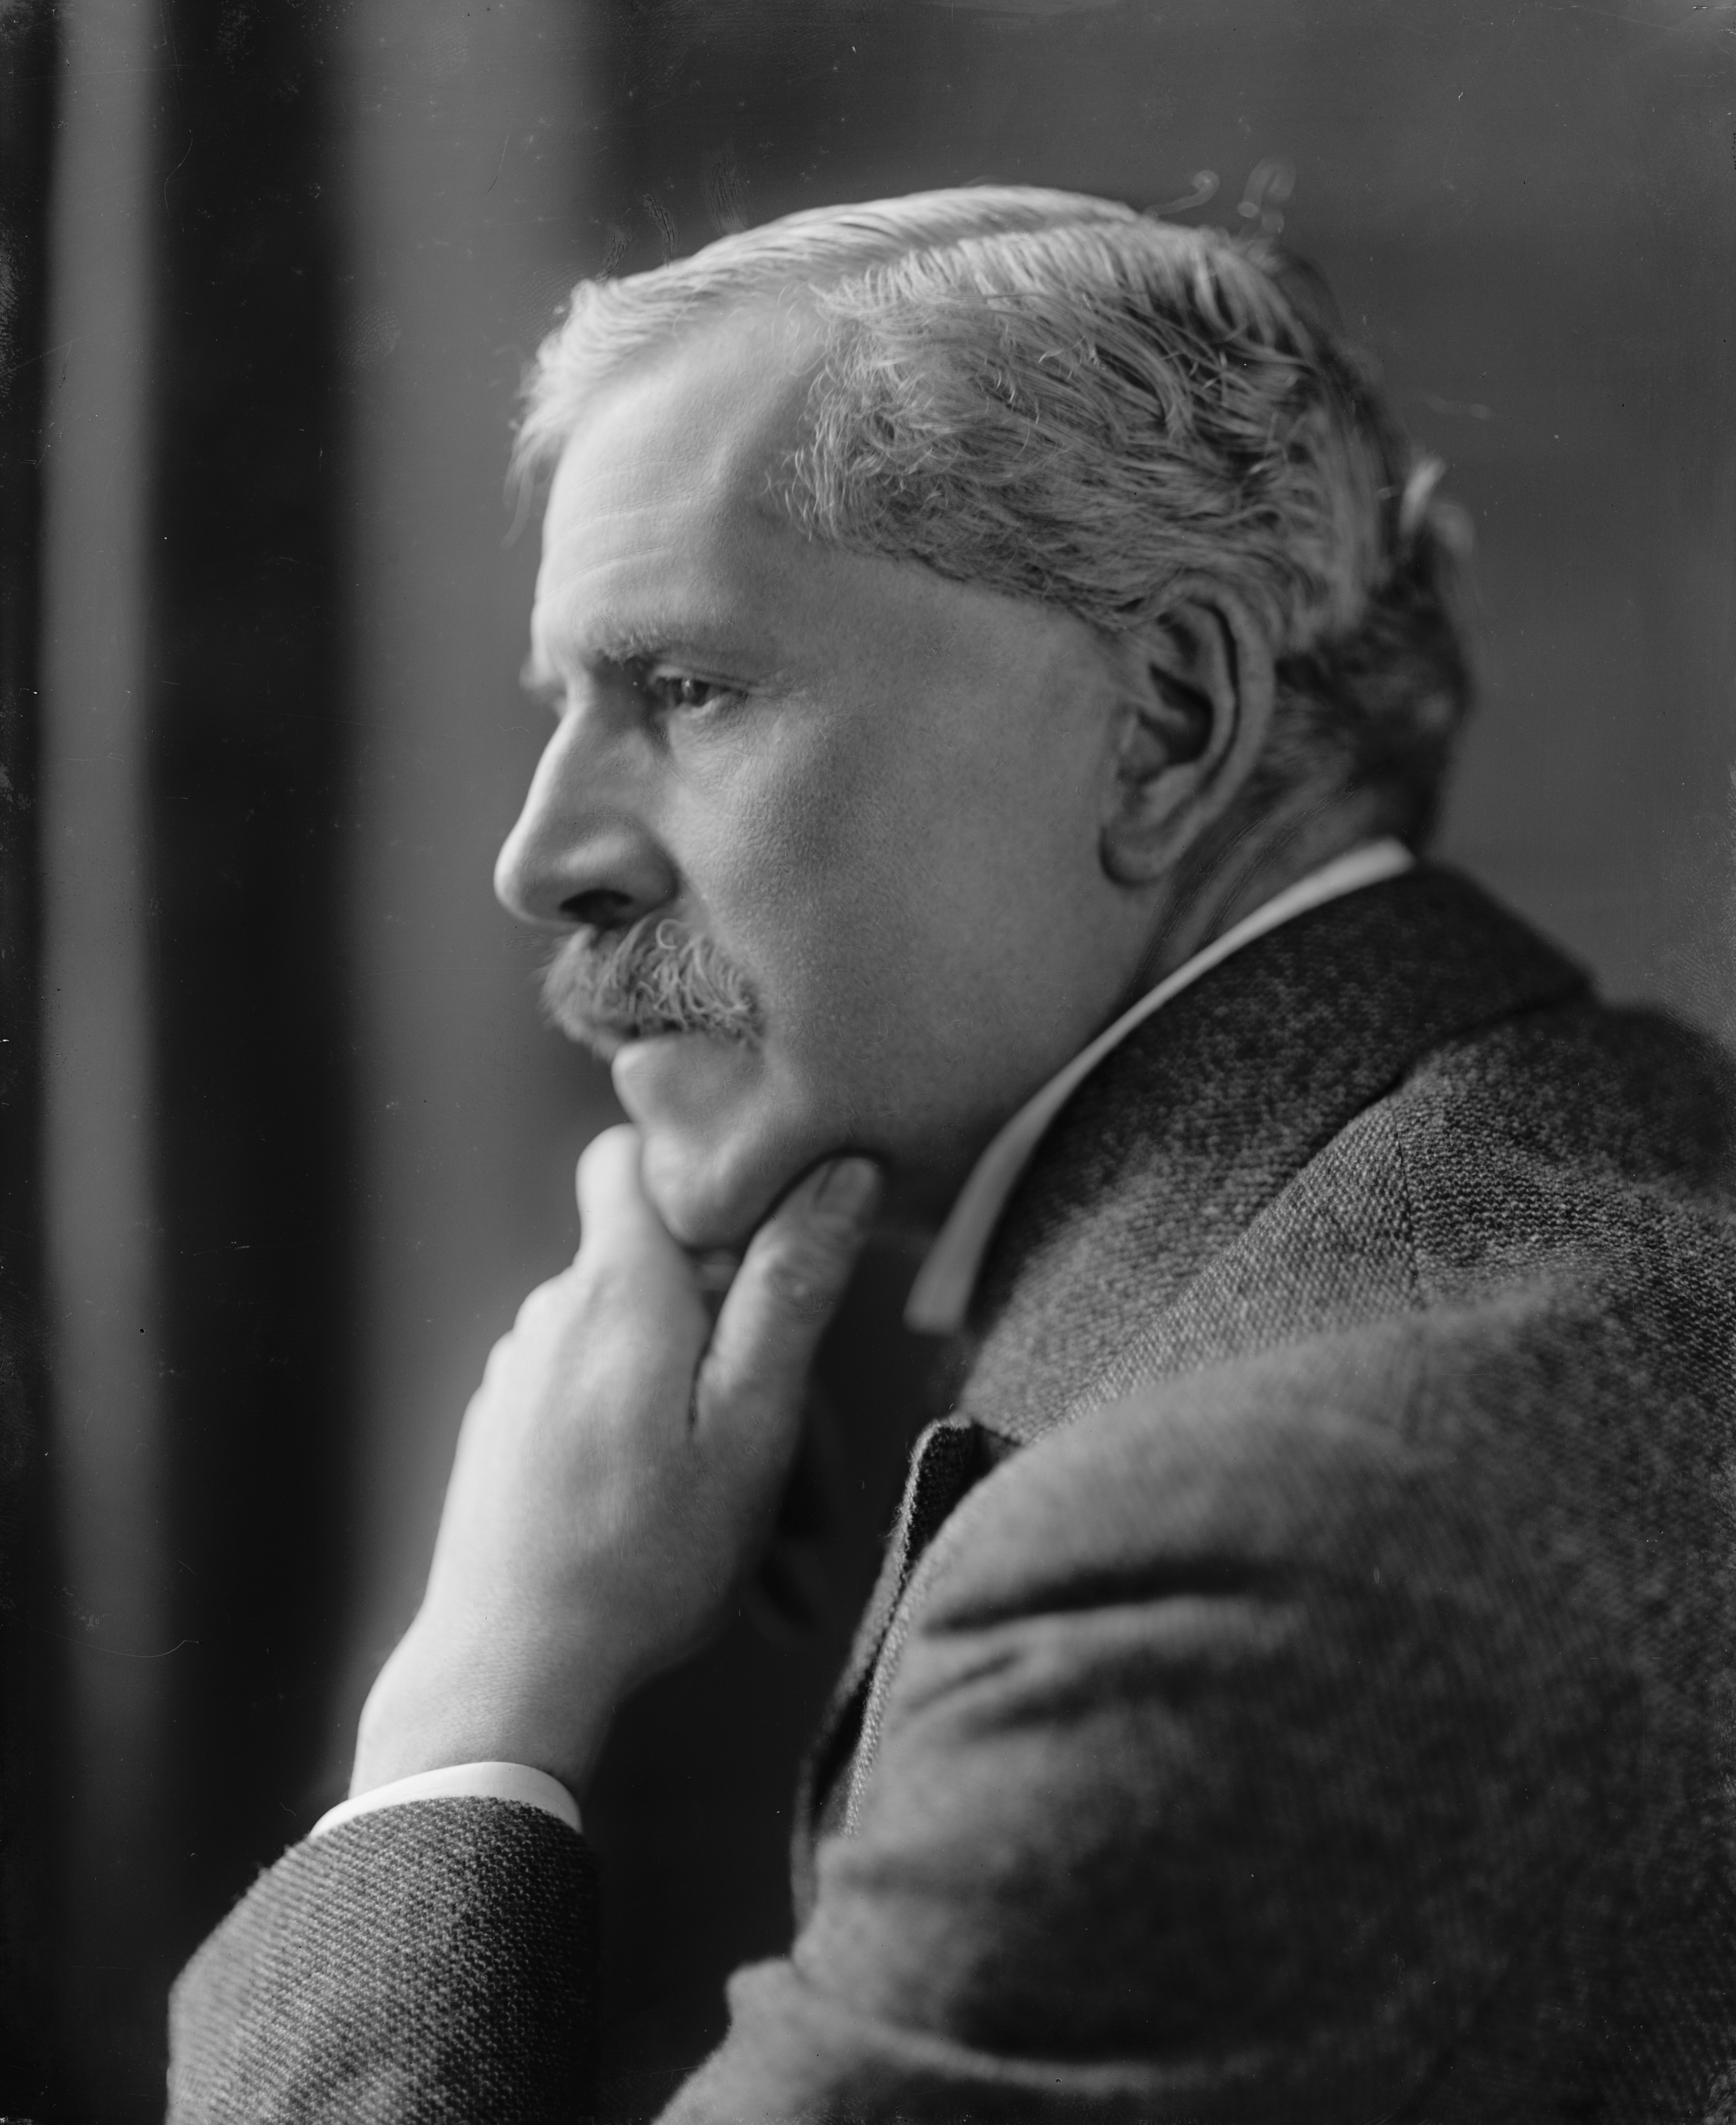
(824, 828)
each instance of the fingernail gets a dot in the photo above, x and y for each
(848, 1186)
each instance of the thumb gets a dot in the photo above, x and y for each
(786, 1290)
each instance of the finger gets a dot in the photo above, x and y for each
(786, 1292)
(624, 1245)
(607, 1176)
(614, 1213)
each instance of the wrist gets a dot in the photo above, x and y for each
(433, 1707)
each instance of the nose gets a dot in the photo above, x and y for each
(581, 852)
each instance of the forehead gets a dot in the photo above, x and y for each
(662, 503)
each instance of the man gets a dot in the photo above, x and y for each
(1003, 670)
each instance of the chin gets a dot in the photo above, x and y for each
(710, 1195)
(717, 1147)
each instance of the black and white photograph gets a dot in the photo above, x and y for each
(867, 1061)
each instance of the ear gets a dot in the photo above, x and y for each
(1196, 692)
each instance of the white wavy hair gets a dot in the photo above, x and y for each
(1058, 397)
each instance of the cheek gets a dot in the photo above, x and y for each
(885, 868)
(798, 852)
(847, 884)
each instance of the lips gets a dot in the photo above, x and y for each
(606, 1040)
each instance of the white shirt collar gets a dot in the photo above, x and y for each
(941, 1292)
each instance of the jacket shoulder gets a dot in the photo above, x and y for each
(1581, 1099)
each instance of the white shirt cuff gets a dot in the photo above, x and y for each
(460, 1781)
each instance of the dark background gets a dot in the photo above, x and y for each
(283, 1143)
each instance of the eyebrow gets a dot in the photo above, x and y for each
(540, 675)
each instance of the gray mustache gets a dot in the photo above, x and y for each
(656, 976)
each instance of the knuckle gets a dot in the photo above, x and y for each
(546, 1300)
(530, 1314)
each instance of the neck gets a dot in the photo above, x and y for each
(1251, 863)
(1254, 860)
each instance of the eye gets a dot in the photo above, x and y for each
(669, 691)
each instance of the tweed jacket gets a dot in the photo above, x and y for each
(1302, 1685)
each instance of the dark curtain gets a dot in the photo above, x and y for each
(195, 141)
(31, 1704)
(249, 819)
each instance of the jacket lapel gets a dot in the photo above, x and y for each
(1170, 1150)
(949, 1457)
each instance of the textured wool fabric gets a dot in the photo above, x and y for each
(432, 1962)
(1300, 1686)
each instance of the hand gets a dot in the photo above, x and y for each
(617, 1473)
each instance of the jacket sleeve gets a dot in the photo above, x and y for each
(1239, 1742)
(434, 1960)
